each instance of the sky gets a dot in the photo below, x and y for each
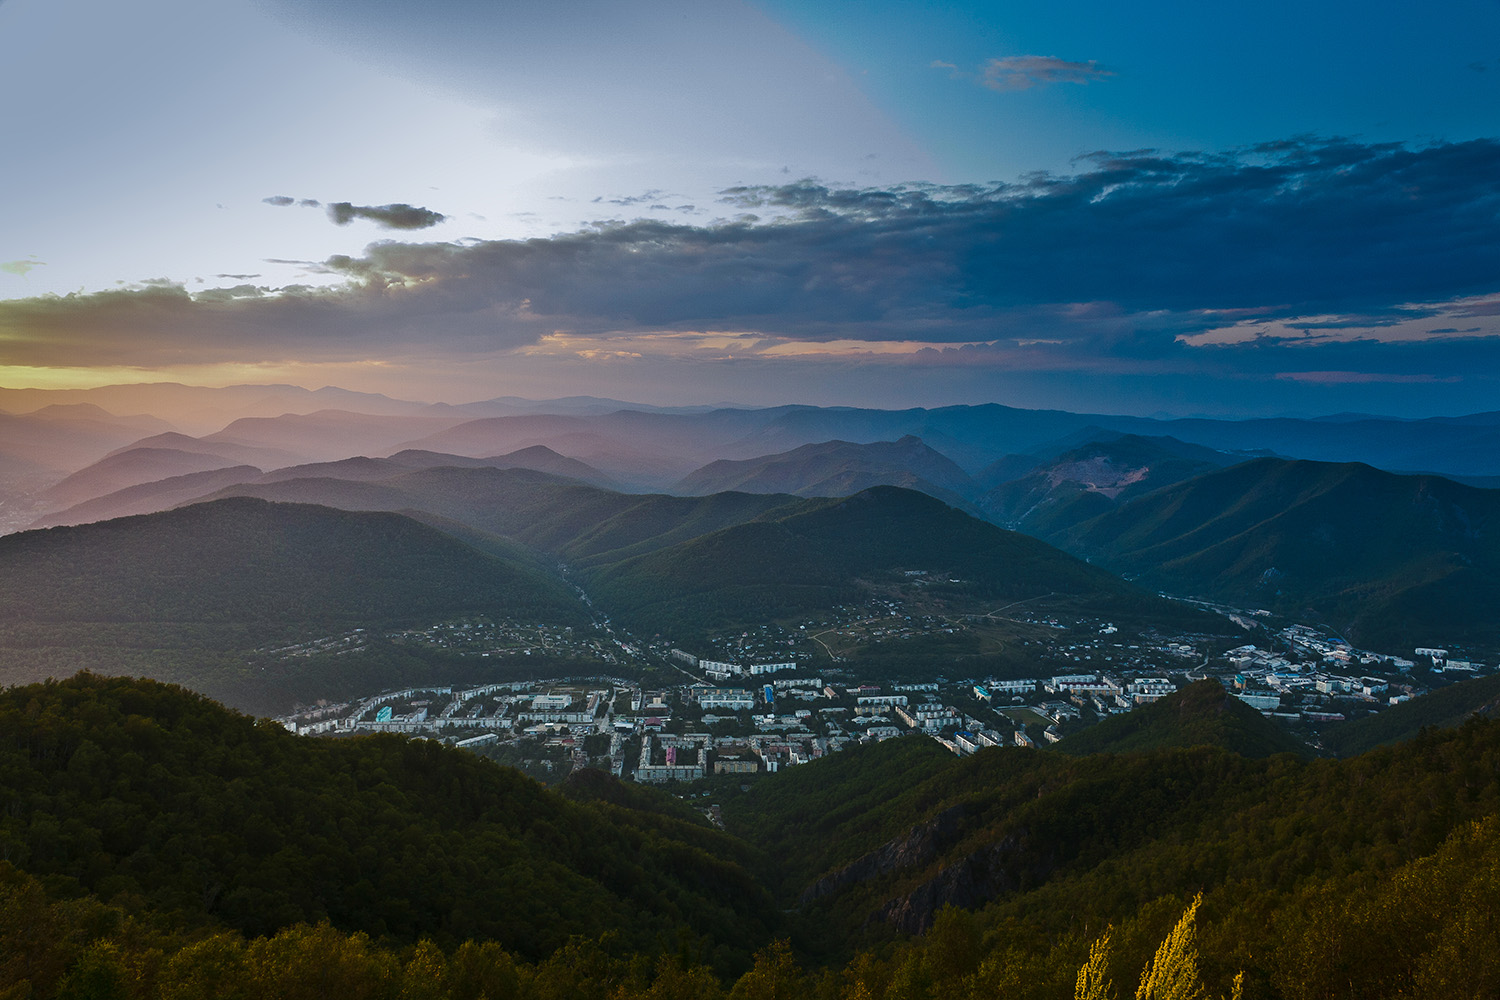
(1226, 209)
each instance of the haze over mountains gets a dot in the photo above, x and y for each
(318, 426)
(443, 543)
(1173, 503)
(837, 468)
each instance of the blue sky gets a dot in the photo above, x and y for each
(1234, 209)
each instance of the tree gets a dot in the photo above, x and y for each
(775, 976)
(98, 974)
(426, 974)
(482, 971)
(953, 947)
(1093, 978)
(211, 969)
(1173, 972)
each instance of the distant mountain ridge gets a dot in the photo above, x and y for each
(132, 467)
(1393, 560)
(974, 436)
(838, 468)
(246, 560)
(149, 497)
(658, 563)
(1092, 479)
(329, 435)
(811, 554)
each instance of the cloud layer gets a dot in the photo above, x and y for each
(1300, 257)
(1025, 72)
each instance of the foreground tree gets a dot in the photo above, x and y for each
(1171, 975)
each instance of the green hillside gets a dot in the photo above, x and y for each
(686, 564)
(1443, 708)
(160, 847)
(909, 806)
(248, 561)
(159, 800)
(1044, 844)
(811, 555)
(204, 595)
(1202, 714)
(1394, 561)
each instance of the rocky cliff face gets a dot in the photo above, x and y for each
(919, 848)
(971, 881)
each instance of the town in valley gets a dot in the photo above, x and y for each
(758, 701)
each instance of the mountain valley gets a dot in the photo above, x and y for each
(906, 750)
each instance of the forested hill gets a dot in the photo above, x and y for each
(579, 523)
(161, 799)
(683, 565)
(1297, 860)
(1443, 708)
(812, 554)
(153, 835)
(1202, 714)
(248, 561)
(1389, 559)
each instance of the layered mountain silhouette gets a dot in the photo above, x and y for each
(244, 560)
(148, 497)
(813, 554)
(1090, 480)
(133, 467)
(838, 468)
(656, 563)
(1393, 560)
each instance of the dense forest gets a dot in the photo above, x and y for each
(143, 792)
(804, 558)
(1385, 558)
(156, 845)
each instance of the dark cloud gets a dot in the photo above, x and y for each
(1026, 72)
(628, 200)
(398, 216)
(1314, 250)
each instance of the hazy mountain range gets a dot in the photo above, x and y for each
(1185, 507)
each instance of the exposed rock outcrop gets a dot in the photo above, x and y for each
(918, 848)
